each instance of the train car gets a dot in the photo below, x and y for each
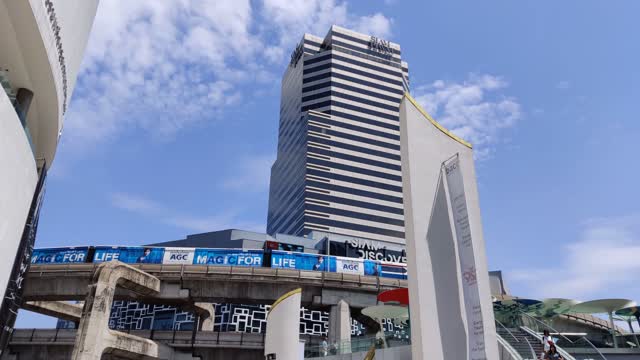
(392, 270)
(220, 257)
(129, 254)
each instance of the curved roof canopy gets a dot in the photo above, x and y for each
(515, 306)
(554, 306)
(602, 306)
(379, 312)
(631, 311)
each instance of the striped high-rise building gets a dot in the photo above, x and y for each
(338, 162)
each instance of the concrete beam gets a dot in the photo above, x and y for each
(94, 336)
(57, 309)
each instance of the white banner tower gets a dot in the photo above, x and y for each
(450, 300)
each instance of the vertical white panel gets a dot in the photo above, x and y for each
(467, 263)
(438, 321)
(283, 327)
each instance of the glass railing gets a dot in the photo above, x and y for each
(21, 111)
(355, 345)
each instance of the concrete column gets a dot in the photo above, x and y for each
(613, 330)
(340, 327)
(207, 313)
(94, 338)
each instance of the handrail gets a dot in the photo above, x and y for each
(506, 346)
(545, 325)
(509, 331)
(533, 353)
(561, 350)
(594, 347)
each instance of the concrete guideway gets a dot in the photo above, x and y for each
(191, 287)
(186, 284)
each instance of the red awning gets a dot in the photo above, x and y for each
(398, 296)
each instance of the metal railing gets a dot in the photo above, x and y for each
(505, 346)
(564, 344)
(533, 353)
(508, 331)
(545, 326)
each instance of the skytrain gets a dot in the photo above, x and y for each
(276, 259)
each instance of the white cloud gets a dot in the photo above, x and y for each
(289, 19)
(563, 85)
(252, 173)
(136, 204)
(603, 262)
(161, 66)
(475, 109)
(155, 211)
(376, 24)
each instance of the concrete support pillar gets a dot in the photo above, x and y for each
(340, 327)
(613, 330)
(94, 337)
(207, 313)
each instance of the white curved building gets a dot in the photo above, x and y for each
(41, 47)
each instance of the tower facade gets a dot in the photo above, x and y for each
(42, 43)
(338, 165)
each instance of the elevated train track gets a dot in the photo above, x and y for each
(182, 284)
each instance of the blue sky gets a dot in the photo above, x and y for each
(172, 126)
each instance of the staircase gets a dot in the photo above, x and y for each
(518, 340)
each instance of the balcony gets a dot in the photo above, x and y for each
(21, 101)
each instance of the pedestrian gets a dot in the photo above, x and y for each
(324, 347)
(554, 354)
(547, 341)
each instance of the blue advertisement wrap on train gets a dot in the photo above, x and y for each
(129, 254)
(60, 255)
(316, 262)
(392, 270)
(220, 257)
(302, 261)
(228, 257)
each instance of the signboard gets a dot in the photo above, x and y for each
(223, 257)
(129, 254)
(367, 249)
(356, 266)
(274, 245)
(380, 45)
(60, 255)
(458, 205)
(178, 255)
(350, 266)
